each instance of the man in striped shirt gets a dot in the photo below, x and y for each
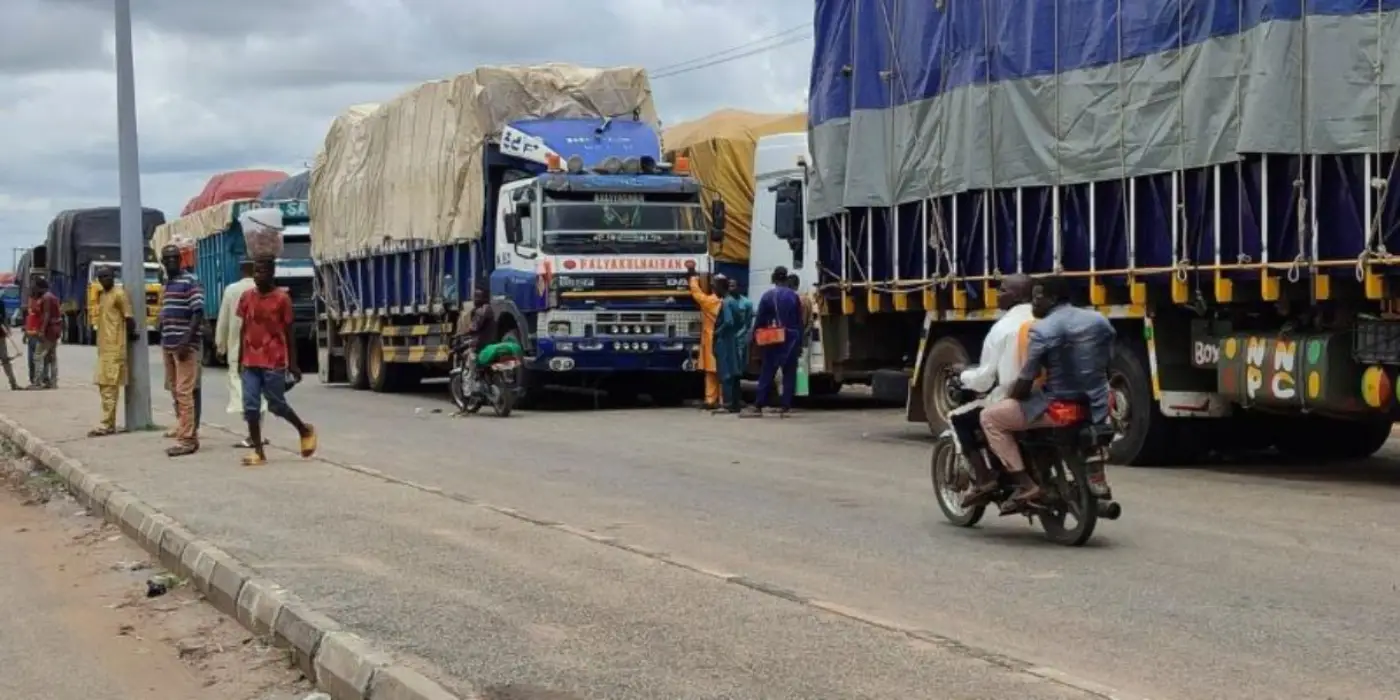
(181, 326)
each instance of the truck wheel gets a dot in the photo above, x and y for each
(945, 353)
(379, 371)
(529, 385)
(355, 373)
(1324, 438)
(823, 385)
(1145, 437)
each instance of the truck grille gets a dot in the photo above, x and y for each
(635, 282)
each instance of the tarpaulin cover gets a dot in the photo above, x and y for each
(238, 184)
(412, 168)
(910, 100)
(721, 148)
(205, 222)
(75, 234)
(295, 187)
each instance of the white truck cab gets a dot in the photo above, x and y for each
(781, 236)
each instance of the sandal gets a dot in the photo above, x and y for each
(980, 496)
(308, 442)
(182, 449)
(253, 460)
(101, 432)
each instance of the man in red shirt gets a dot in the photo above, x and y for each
(268, 359)
(50, 329)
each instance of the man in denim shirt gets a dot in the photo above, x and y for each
(1073, 346)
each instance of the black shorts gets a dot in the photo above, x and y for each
(968, 427)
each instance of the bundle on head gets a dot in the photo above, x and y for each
(262, 232)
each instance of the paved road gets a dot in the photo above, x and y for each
(1252, 581)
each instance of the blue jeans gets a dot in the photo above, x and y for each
(264, 384)
(31, 345)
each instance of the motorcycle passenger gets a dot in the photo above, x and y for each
(1073, 346)
(480, 332)
(1000, 365)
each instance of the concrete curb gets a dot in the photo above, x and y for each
(336, 661)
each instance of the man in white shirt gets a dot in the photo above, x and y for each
(228, 338)
(1000, 365)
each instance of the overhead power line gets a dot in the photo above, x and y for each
(787, 37)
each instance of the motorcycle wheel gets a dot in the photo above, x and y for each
(944, 468)
(1069, 478)
(504, 400)
(457, 391)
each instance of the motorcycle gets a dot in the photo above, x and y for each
(495, 383)
(1066, 460)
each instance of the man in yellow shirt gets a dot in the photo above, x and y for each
(115, 329)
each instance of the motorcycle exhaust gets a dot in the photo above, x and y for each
(1109, 510)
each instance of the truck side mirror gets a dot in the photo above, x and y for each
(717, 220)
(787, 211)
(512, 223)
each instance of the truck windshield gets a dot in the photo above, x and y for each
(152, 273)
(624, 227)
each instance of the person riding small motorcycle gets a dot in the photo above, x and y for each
(484, 370)
(1046, 436)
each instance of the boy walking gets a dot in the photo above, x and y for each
(267, 359)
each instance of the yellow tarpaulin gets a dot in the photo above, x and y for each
(721, 148)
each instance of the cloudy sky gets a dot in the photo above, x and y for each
(224, 86)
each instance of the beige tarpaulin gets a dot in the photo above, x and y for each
(721, 148)
(205, 222)
(411, 168)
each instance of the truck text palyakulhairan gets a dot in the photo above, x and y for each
(547, 187)
(1220, 181)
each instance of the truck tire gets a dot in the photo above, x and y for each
(945, 353)
(1327, 439)
(1148, 438)
(529, 385)
(381, 373)
(823, 385)
(355, 364)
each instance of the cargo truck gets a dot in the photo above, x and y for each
(220, 250)
(1219, 182)
(555, 199)
(80, 241)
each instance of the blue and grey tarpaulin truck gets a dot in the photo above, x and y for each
(1218, 178)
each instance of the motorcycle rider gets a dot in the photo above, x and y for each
(1073, 346)
(993, 376)
(480, 332)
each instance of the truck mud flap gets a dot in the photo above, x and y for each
(890, 385)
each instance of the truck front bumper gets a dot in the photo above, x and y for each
(633, 354)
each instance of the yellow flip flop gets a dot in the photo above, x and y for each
(253, 460)
(308, 442)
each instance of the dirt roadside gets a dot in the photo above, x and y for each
(81, 627)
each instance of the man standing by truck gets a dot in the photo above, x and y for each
(46, 305)
(115, 328)
(181, 318)
(778, 333)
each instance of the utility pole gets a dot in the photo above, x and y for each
(138, 388)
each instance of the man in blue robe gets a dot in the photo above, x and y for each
(779, 307)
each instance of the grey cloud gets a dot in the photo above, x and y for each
(226, 86)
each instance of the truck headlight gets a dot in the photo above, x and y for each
(560, 329)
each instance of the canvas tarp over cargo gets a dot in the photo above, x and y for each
(295, 187)
(205, 222)
(75, 234)
(721, 148)
(1012, 93)
(412, 168)
(238, 184)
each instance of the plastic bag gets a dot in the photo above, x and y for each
(262, 232)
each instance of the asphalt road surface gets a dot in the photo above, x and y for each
(1242, 581)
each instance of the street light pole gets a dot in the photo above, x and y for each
(138, 391)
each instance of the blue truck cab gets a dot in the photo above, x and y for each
(584, 247)
(218, 259)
